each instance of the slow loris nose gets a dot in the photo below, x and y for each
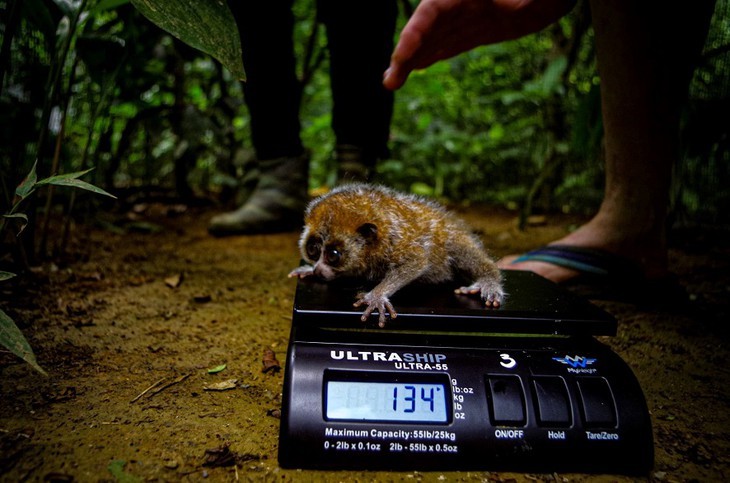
(323, 271)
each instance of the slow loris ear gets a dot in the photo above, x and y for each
(368, 231)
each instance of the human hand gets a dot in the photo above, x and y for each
(440, 29)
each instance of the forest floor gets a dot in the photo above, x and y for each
(158, 305)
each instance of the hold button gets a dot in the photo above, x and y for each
(553, 403)
(507, 400)
(599, 409)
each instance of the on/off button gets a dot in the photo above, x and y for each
(506, 400)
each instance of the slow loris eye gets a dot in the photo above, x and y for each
(313, 249)
(332, 256)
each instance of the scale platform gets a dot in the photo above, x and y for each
(451, 385)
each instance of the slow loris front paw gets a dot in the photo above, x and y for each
(375, 302)
(490, 290)
(302, 271)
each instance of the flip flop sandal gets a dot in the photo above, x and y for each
(606, 276)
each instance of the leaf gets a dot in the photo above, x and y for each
(116, 468)
(552, 77)
(550, 81)
(27, 186)
(6, 275)
(21, 216)
(222, 386)
(220, 457)
(74, 175)
(422, 189)
(205, 25)
(71, 179)
(12, 338)
(216, 369)
(270, 362)
(174, 281)
(64, 180)
(144, 227)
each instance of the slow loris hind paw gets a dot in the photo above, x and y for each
(375, 302)
(490, 291)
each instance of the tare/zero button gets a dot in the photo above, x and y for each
(597, 404)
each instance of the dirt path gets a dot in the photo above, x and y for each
(155, 311)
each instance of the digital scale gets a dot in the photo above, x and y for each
(451, 385)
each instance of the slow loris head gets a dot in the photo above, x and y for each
(337, 239)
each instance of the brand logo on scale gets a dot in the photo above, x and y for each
(576, 361)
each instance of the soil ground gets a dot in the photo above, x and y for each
(162, 303)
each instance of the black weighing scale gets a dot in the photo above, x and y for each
(450, 385)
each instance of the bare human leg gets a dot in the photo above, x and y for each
(645, 51)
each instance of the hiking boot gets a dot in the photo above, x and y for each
(351, 165)
(277, 203)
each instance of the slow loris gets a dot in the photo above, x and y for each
(383, 236)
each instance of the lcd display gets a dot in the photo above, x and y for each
(386, 401)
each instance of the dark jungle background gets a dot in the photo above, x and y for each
(93, 84)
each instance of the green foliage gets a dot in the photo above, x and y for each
(207, 25)
(482, 126)
(6, 276)
(31, 183)
(71, 180)
(701, 181)
(147, 110)
(10, 336)
(477, 127)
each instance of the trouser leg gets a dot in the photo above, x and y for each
(360, 40)
(273, 94)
